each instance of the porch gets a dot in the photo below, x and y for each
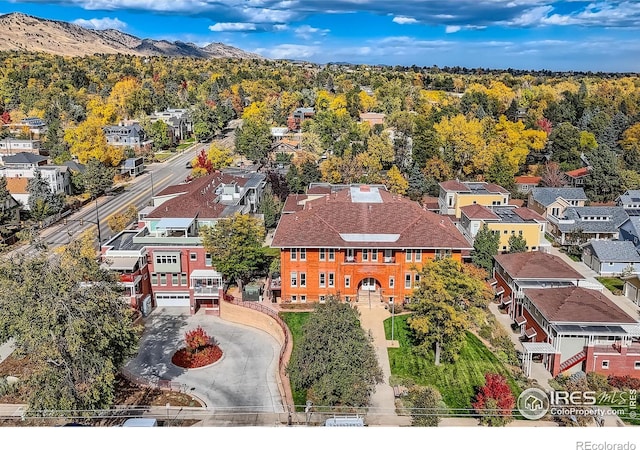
(207, 288)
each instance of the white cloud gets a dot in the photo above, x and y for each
(290, 51)
(280, 27)
(403, 20)
(233, 26)
(101, 24)
(452, 29)
(307, 31)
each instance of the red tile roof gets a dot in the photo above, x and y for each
(516, 202)
(576, 304)
(319, 190)
(528, 214)
(430, 202)
(323, 220)
(491, 187)
(536, 265)
(454, 185)
(577, 173)
(197, 198)
(478, 212)
(526, 179)
(292, 203)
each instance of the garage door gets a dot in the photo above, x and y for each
(172, 299)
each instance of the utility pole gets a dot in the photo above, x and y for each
(98, 225)
(393, 310)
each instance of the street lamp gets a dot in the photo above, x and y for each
(393, 310)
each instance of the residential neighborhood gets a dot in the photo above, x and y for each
(272, 243)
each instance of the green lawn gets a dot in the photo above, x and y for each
(614, 284)
(295, 322)
(162, 156)
(456, 382)
(186, 144)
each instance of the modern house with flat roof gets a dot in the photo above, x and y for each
(455, 194)
(506, 221)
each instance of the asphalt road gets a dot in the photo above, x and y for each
(137, 192)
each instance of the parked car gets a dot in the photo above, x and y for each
(140, 422)
(189, 165)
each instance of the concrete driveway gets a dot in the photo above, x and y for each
(243, 381)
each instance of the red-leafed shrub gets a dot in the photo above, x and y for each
(494, 401)
(196, 339)
(201, 350)
(624, 382)
(229, 297)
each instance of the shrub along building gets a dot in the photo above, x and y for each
(360, 242)
(166, 251)
(563, 318)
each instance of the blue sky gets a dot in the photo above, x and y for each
(523, 34)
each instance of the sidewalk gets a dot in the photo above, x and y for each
(6, 349)
(382, 408)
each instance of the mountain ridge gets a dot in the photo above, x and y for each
(23, 32)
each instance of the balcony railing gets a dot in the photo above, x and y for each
(206, 290)
(350, 259)
(389, 259)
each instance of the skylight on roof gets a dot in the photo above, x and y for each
(360, 194)
(369, 237)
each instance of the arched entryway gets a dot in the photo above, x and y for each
(369, 289)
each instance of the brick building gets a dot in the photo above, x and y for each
(360, 242)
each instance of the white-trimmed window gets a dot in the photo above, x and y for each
(154, 279)
(332, 254)
(193, 256)
(407, 280)
(365, 254)
(303, 299)
(418, 255)
(174, 279)
(347, 281)
(350, 255)
(322, 299)
(303, 254)
(323, 282)
(374, 254)
(392, 282)
(636, 365)
(322, 256)
(407, 256)
(417, 278)
(183, 279)
(294, 298)
(303, 279)
(294, 254)
(163, 279)
(207, 259)
(294, 279)
(605, 363)
(332, 279)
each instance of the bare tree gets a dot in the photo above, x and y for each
(552, 176)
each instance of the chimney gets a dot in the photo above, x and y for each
(370, 208)
(365, 188)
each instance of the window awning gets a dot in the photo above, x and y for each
(493, 281)
(500, 290)
(120, 263)
(530, 332)
(205, 273)
(506, 300)
(521, 320)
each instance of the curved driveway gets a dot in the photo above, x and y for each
(243, 381)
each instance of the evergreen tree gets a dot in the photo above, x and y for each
(485, 247)
(294, 181)
(417, 183)
(42, 201)
(604, 182)
(517, 244)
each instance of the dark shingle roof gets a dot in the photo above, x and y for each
(23, 158)
(615, 251)
(545, 195)
(616, 214)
